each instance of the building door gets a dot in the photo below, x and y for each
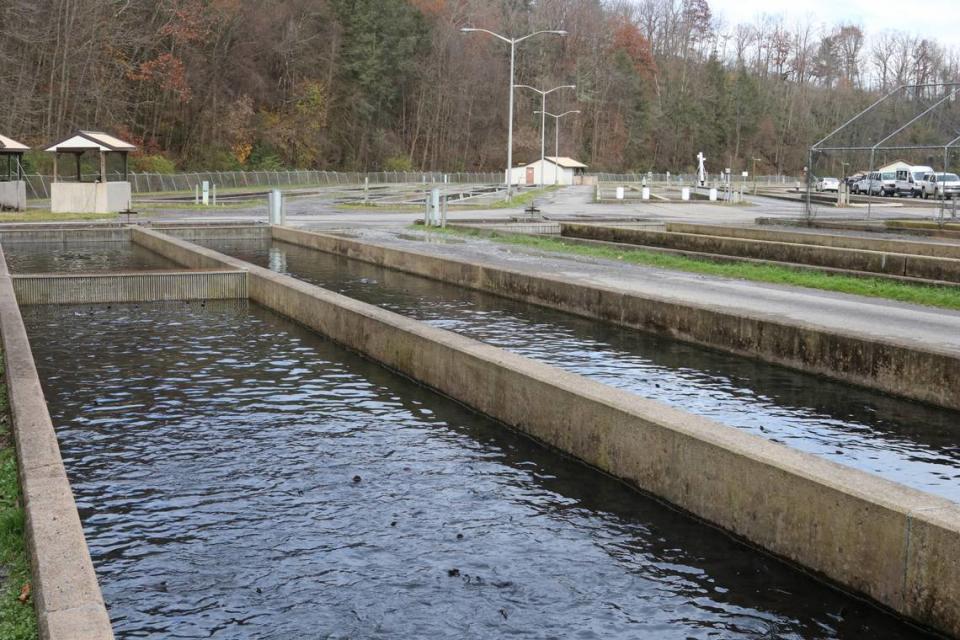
(531, 178)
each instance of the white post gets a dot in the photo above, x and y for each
(196, 194)
(435, 206)
(214, 195)
(206, 192)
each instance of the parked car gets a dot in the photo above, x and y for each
(828, 184)
(942, 185)
(871, 184)
(853, 179)
(909, 181)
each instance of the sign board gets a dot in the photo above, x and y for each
(619, 193)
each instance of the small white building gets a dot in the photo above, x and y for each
(552, 170)
(101, 195)
(13, 189)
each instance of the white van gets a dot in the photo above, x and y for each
(909, 181)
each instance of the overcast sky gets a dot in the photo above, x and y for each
(937, 19)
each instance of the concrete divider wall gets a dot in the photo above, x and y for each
(897, 545)
(901, 370)
(65, 591)
(255, 232)
(65, 236)
(899, 264)
(130, 287)
(935, 249)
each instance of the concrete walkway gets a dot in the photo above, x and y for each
(879, 320)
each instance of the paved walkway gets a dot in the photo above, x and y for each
(881, 320)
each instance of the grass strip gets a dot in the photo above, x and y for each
(933, 296)
(17, 618)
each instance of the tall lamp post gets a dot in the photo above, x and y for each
(513, 56)
(556, 129)
(755, 175)
(543, 119)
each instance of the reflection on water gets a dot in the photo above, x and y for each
(240, 477)
(81, 257)
(897, 439)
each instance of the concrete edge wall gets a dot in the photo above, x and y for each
(938, 250)
(64, 235)
(256, 232)
(98, 288)
(899, 264)
(898, 369)
(894, 544)
(65, 592)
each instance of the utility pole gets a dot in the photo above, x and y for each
(543, 120)
(513, 42)
(556, 129)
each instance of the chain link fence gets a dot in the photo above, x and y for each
(690, 178)
(38, 186)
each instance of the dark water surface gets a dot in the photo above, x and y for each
(240, 477)
(907, 442)
(81, 257)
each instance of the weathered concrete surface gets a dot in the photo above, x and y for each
(64, 235)
(13, 195)
(89, 197)
(786, 328)
(920, 248)
(130, 287)
(65, 592)
(899, 264)
(894, 544)
(216, 232)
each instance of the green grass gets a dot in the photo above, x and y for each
(933, 296)
(17, 619)
(40, 215)
(521, 200)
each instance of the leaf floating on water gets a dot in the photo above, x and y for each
(24, 593)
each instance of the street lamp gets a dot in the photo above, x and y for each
(543, 117)
(513, 55)
(755, 174)
(556, 128)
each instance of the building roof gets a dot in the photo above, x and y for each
(7, 144)
(895, 166)
(566, 163)
(92, 141)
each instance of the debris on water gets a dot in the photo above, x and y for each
(393, 524)
(259, 590)
(357, 479)
(453, 573)
(503, 612)
(459, 536)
